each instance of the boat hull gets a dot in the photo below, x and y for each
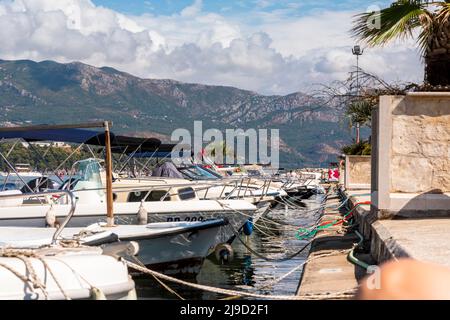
(178, 254)
(126, 214)
(181, 253)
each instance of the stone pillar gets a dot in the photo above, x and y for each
(411, 155)
(357, 173)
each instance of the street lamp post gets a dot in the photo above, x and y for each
(357, 51)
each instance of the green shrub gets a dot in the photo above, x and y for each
(357, 149)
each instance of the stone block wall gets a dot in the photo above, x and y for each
(358, 172)
(411, 153)
(421, 145)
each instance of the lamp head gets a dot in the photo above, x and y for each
(357, 50)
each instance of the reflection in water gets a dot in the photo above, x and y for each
(247, 271)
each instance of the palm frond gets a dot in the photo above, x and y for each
(396, 21)
(433, 25)
(444, 11)
(360, 112)
(427, 32)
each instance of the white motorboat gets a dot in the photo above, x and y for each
(91, 205)
(242, 187)
(33, 269)
(176, 247)
(194, 182)
(24, 169)
(128, 214)
(58, 273)
(89, 190)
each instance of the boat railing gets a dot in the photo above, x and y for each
(240, 188)
(233, 188)
(172, 189)
(69, 195)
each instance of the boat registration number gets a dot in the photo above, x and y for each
(191, 219)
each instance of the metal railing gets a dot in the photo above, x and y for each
(239, 189)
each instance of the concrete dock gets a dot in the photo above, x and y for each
(407, 181)
(424, 239)
(329, 272)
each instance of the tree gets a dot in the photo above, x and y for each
(357, 108)
(360, 112)
(430, 18)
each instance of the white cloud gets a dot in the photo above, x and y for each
(263, 3)
(192, 10)
(280, 54)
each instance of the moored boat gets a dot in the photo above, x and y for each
(177, 247)
(58, 273)
(31, 270)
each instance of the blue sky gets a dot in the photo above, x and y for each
(231, 7)
(267, 46)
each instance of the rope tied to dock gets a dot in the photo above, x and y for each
(236, 293)
(236, 234)
(307, 233)
(259, 255)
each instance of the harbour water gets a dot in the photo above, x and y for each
(248, 272)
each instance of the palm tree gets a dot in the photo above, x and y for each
(360, 112)
(430, 18)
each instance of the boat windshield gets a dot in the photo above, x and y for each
(88, 170)
(87, 175)
(198, 173)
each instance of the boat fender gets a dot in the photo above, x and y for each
(224, 252)
(121, 249)
(50, 217)
(97, 294)
(142, 215)
(248, 227)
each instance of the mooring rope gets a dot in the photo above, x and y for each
(306, 233)
(237, 293)
(66, 296)
(165, 286)
(300, 266)
(259, 255)
(25, 279)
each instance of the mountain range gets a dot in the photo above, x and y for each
(48, 92)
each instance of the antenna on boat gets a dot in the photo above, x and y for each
(108, 166)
